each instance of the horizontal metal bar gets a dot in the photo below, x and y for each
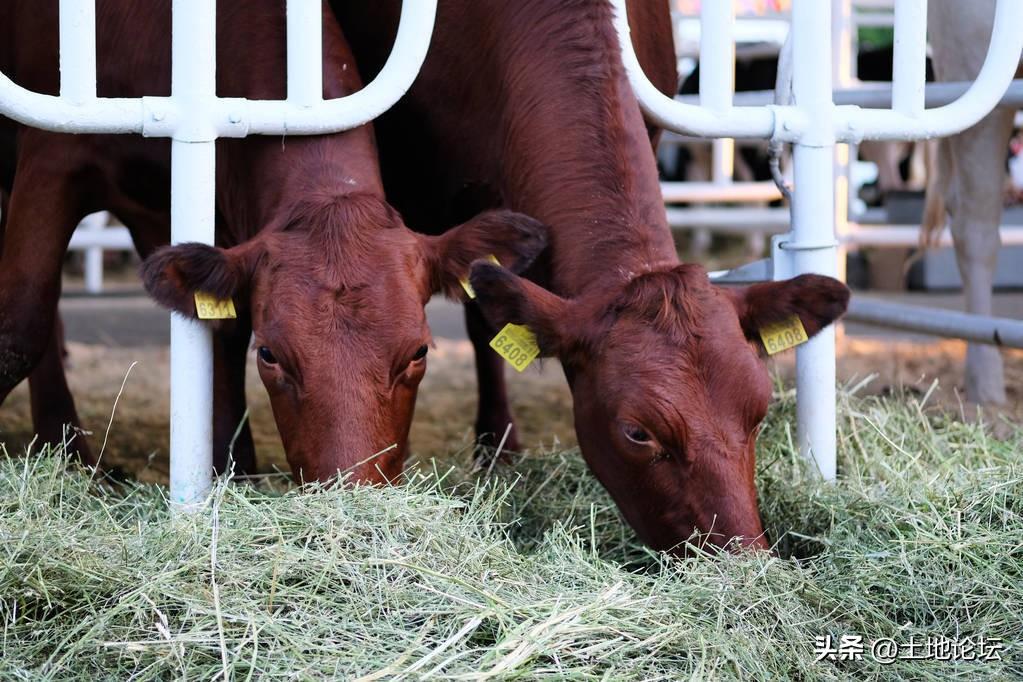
(996, 331)
(739, 220)
(753, 220)
(870, 95)
(709, 192)
(909, 235)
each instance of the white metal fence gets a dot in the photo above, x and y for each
(193, 117)
(815, 126)
(864, 227)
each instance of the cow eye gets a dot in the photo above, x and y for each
(637, 434)
(266, 355)
(421, 353)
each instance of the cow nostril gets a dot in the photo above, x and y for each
(266, 355)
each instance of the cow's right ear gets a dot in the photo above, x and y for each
(174, 274)
(506, 298)
(514, 239)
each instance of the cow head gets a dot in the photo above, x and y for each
(336, 297)
(669, 387)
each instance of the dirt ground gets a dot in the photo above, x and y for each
(138, 433)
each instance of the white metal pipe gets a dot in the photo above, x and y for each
(717, 55)
(53, 113)
(305, 52)
(193, 208)
(93, 267)
(1000, 65)
(191, 428)
(910, 60)
(843, 67)
(692, 120)
(909, 235)
(710, 192)
(844, 44)
(813, 215)
(194, 69)
(731, 220)
(78, 50)
(94, 270)
(722, 161)
(870, 95)
(394, 80)
(997, 331)
(108, 239)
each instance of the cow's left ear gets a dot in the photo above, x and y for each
(513, 238)
(817, 301)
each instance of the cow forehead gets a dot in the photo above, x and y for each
(706, 363)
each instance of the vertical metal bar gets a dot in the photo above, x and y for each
(717, 55)
(910, 62)
(94, 254)
(813, 213)
(305, 52)
(717, 86)
(193, 159)
(843, 65)
(78, 50)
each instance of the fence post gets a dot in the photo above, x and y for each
(813, 231)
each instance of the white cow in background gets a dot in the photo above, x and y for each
(970, 178)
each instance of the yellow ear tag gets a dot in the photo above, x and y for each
(517, 345)
(783, 335)
(209, 307)
(465, 282)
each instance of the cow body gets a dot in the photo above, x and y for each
(526, 105)
(322, 270)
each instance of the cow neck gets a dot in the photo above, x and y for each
(578, 157)
(265, 178)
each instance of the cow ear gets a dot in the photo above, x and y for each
(174, 274)
(514, 239)
(506, 298)
(816, 300)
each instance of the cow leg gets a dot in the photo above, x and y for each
(493, 416)
(979, 155)
(43, 212)
(230, 352)
(53, 408)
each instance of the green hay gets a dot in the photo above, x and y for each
(529, 574)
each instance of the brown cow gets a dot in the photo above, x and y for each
(526, 105)
(323, 271)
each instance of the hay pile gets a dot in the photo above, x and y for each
(530, 574)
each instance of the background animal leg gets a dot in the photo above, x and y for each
(979, 155)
